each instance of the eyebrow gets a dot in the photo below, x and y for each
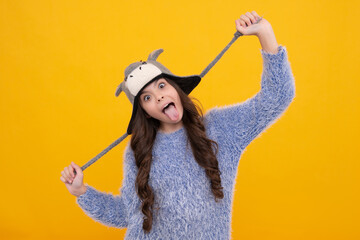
(153, 84)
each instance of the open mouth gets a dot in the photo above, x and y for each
(171, 112)
(167, 106)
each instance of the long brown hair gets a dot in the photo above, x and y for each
(203, 148)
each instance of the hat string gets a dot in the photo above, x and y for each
(203, 73)
(237, 34)
(217, 58)
(94, 159)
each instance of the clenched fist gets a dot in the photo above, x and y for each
(73, 182)
(251, 23)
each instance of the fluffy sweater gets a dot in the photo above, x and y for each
(186, 207)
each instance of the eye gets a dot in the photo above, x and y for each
(146, 98)
(161, 85)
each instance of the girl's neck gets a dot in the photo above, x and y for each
(170, 128)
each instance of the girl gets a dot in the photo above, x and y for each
(180, 167)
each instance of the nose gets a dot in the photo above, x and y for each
(159, 98)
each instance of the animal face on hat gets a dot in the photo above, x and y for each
(139, 74)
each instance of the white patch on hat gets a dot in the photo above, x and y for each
(140, 76)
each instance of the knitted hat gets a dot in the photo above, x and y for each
(139, 74)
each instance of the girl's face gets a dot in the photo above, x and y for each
(161, 101)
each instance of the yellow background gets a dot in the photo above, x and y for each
(60, 64)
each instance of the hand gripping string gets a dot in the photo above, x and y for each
(237, 34)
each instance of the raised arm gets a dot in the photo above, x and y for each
(237, 125)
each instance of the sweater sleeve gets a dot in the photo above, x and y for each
(108, 209)
(237, 125)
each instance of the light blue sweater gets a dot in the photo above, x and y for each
(187, 209)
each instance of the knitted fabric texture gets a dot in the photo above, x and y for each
(186, 205)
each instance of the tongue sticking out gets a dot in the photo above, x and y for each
(171, 112)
